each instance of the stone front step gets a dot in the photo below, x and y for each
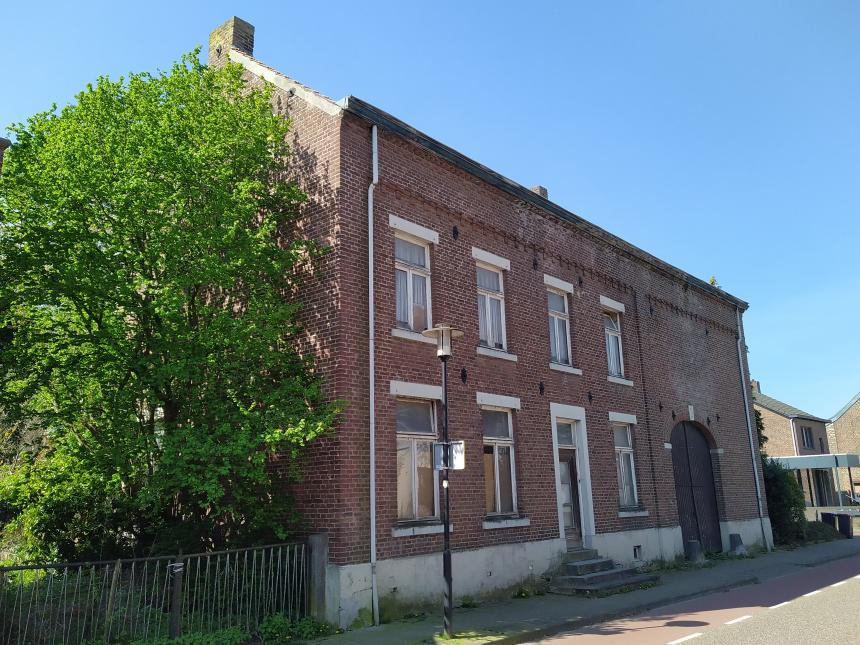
(584, 572)
(582, 567)
(580, 554)
(595, 577)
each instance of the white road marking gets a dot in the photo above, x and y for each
(839, 584)
(812, 593)
(737, 620)
(686, 638)
(782, 604)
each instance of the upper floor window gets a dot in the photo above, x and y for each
(614, 354)
(627, 493)
(806, 436)
(500, 491)
(491, 308)
(412, 279)
(559, 327)
(417, 489)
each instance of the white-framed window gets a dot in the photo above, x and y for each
(559, 327)
(614, 351)
(491, 307)
(500, 485)
(627, 493)
(417, 481)
(806, 436)
(565, 433)
(412, 283)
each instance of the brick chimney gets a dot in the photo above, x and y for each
(4, 143)
(756, 386)
(541, 190)
(235, 33)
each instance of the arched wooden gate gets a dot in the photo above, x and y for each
(694, 487)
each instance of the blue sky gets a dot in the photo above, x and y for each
(722, 137)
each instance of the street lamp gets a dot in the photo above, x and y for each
(444, 334)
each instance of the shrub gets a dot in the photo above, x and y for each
(785, 503)
(280, 629)
(821, 532)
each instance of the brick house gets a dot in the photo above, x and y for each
(601, 392)
(801, 442)
(843, 433)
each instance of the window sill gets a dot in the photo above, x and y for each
(505, 522)
(620, 380)
(408, 334)
(496, 353)
(409, 529)
(633, 512)
(567, 369)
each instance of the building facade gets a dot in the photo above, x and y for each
(843, 434)
(792, 433)
(601, 393)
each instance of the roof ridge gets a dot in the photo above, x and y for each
(784, 409)
(846, 407)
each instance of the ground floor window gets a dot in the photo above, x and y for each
(500, 490)
(417, 489)
(627, 494)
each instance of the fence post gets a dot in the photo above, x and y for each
(111, 596)
(318, 545)
(178, 568)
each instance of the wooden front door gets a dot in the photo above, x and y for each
(570, 498)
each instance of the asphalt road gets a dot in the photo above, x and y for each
(818, 605)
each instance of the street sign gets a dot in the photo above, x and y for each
(458, 455)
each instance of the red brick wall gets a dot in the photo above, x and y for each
(777, 429)
(844, 435)
(679, 348)
(780, 443)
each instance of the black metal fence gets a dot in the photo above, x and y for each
(146, 598)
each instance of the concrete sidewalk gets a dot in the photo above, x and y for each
(519, 620)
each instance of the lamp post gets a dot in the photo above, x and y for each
(444, 334)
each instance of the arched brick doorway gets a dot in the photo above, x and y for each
(694, 486)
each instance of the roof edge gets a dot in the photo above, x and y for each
(846, 407)
(381, 118)
(808, 417)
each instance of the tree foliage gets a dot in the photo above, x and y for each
(786, 505)
(150, 266)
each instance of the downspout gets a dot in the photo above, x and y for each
(754, 454)
(793, 435)
(374, 592)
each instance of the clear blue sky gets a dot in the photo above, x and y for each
(723, 137)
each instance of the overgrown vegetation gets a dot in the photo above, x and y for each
(150, 320)
(786, 505)
(275, 629)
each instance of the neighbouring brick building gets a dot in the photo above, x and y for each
(843, 434)
(792, 433)
(601, 392)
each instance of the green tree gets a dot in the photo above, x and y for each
(786, 505)
(762, 437)
(150, 268)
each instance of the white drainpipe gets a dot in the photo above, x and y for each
(793, 435)
(754, 453)
(374, 593)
